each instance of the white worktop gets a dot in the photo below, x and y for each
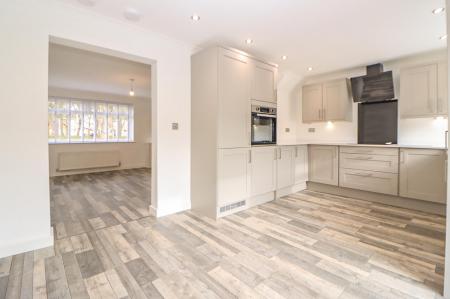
(370, 145)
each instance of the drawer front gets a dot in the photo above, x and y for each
(378, 182)
(369, 150)
(369, 162)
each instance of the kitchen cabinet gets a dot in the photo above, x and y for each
(285, 169)
(234, 105)
(263, 169)
(312, 103)
(423, 90)
(379, 182)
(323, 164)
(233, 175)
(327, 101)
(423, 174)
(337, 104)
(263, 82)
(301, 164)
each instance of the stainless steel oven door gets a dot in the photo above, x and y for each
(264, 129)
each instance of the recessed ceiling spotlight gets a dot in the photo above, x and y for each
(249, 41)
(438, 10)
(443, 37)
(284, 57)
(132, 14)
(87, 2)
(310, 68)
(195, 18)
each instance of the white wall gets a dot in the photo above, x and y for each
(25, 27)
(135, 154)
(420, 131)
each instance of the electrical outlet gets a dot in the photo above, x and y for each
(311, 130)
(287, 130)
(174, 126)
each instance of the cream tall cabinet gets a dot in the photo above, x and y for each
(301, 164)
(263, 169)
(323, 164)
(423, 90)
(327, 101)
(223, 177)
(423, 174)
(285, 169)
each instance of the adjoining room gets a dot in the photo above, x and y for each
(99, 140)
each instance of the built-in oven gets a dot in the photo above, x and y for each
(264, 125)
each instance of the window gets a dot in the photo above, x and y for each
(82, 121)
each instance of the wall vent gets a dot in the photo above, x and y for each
(232, 206)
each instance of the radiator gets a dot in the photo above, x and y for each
(87, 160)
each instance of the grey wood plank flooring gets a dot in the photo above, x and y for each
(306, 245)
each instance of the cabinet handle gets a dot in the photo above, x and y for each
(296, 152)
(275, 153)
(250, 156)
(366, 175)
(279, 154)
(324, 114)
(319, 114)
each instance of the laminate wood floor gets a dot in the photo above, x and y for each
(307, 245)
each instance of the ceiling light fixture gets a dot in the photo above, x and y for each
(132, 14)
(438, 10)
(284, 57)
(443, 37)
(195, 18)
(310, 68)
(249, 41)
(131, 93)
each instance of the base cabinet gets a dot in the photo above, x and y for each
(285, 169)
(233, 175)
(323, 164)
(300, 164)
(263, 170)
(423, 174)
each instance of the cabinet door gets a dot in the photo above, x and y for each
(234, 100)
(337, 104)
(263, 175)
(423, 174)
(442, 104)
(312, 103)
(285, 169)
(301, 164)
(418, 91)
(263, 82)
(233, 175)
(323, 164)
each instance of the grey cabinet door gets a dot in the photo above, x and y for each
(323, 164)
(312, 103)
(423, 174)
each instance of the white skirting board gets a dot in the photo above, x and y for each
(26, 245)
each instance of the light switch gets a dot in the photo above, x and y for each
(311, 130)
(287, 130)
(174, 126)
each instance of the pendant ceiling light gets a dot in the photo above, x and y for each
(131, 88)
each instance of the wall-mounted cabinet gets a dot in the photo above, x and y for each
(423, 91)
(327, 101)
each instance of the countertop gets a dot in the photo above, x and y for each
(369, 145)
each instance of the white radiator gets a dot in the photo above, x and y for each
(87, 160)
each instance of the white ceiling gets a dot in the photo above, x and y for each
(76, 69)
(325, 34)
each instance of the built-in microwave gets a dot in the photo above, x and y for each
(264, 125)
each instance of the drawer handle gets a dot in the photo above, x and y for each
(366, 175)
(363, 158)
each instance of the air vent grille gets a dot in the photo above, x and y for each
(232, 206)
